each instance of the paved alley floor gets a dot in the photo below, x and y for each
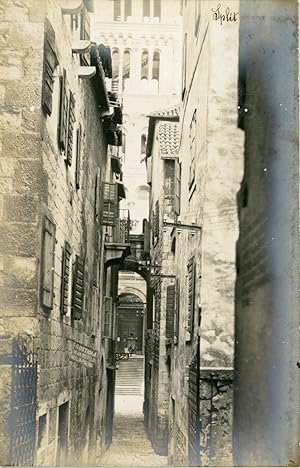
(130, 445)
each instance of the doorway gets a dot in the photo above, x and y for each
(110, 406)
(62, 439)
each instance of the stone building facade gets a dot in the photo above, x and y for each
(58, 244)
(196, 339)
(266, 394)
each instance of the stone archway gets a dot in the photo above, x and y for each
(130, 323)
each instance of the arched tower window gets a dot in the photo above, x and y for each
(155, 65)
(145, 64)
(126, 66)
(157, 9)
(146, 8)
(143, 144)
(117, 10)
(127, 9)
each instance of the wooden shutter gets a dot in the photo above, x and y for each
(71, 121)
(78, 289)
(177, 184)
(177, 312)
(170, 306)
(156, 222)
(146, 236)
(107, 316)
(65, 279)
(149, 170)
(191, 294)
(50, 63)
(78, 156)
(63, 112)
(109, 204)
(47, 263)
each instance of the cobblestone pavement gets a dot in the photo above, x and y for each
(130, 446)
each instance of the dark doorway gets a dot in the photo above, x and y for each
(62, 439)
(130, 324)
(110, 405)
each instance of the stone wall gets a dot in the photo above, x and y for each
(36, 181)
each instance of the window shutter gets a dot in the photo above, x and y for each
(107, 316)
(170, 311)
(78, 289)
(177, 184)
(78, 156)
(63, 112)
(156, 222)
(191, 294)
(149, 170)
(146, 237)
(65, 279)
(50, 63)
(47, 263)
(177, 311)
(109, 204)
(70, 129)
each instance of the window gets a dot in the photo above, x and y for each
(115, 69)
(50, 63)
(193, 126)
(63, 113)
(197, 15)
(42, 430)
(156, 220)
(191, 296)
(78, 156)
(108, 317)
(109, 204)
(146, 8)
(157, 9)
(177, 312)
(184, 60)
(143, 144)
(71, 121)
(169, 167)
(155, 65)
(123, 142)
(177, 187)
(117, 10)
(127, 9)
(78, 288)
(65, 278)
(126, 66)
(145, 65)
(47, 263)
(149, 170)
(170, 306)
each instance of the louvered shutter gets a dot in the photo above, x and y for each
(107, 316)
(191, 294)
(71, 121)
(170, 306)
(65, 279)
(177, 311)
(109, 204)
(177, 183)
(63, 112)
(146, 237)
(156, 224)
(47, 263)
(50, 63)
(78, 156)
(78, 289)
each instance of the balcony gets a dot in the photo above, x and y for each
(119, 248)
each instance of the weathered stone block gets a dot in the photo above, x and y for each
(19, 207)
(26, 36)
(10, 73)
(20, 145)
(22, 302)
(6, 185)
(24, 95)
(16, 13)
(30, 177)
(20, 272)
(6, 168)
(18, 239)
